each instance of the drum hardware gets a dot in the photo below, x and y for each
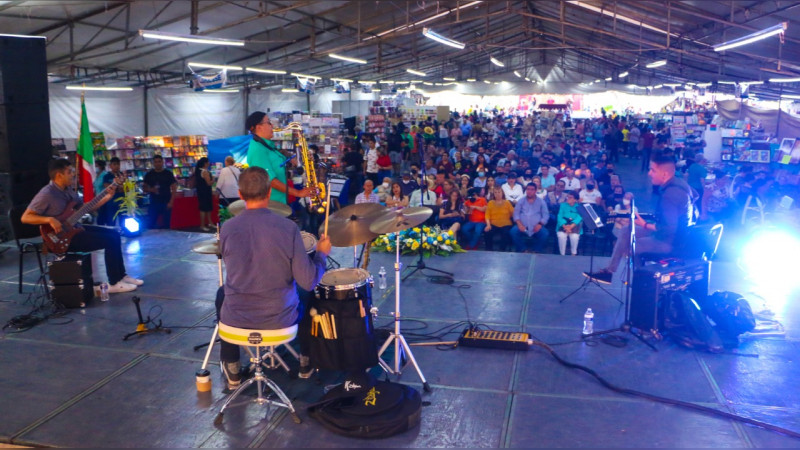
(349, 226)
(199, 248)
(394, 222)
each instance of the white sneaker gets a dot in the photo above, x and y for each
(130, 280)
(121, 287)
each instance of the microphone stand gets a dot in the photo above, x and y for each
(143, 327)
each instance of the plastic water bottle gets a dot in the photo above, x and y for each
(104, 292)
(382, 278)
(588, 321)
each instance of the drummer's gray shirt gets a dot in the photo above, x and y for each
(264, 257)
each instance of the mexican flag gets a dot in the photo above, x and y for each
(85, 158)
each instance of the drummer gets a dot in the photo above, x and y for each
(266, 262)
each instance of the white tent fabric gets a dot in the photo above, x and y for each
(180, 111)
(114, 113)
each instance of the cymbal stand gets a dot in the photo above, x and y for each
(214, 337)
(400, 344)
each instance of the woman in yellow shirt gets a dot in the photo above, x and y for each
(498, 220)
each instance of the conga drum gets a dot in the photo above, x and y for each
(342, 333)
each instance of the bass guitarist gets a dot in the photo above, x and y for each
(57, 200)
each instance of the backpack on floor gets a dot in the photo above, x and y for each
(376, 411)
(689, 326)
(731, 314)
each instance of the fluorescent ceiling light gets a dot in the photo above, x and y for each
(527, 79)
(386, 82)
(213, 66)
(289, 90)
(98, 88)
(793, 97)
(703, 84)
(752, 83)
(449, 79)
(487, 81)
(416, 24)
(348, 59)
(427, 83)
(366, 82)
(783, 80)
(658, 86)
(342, 80)
(598, 80)
(750, 38)
(612, 13)
(416, 72)
(608, 79)
(623, 74)
(655, 64)
(189, 38)
(726, 82)
(591, 83)
(302, 75)
(26, 36)
(496, 62)
(471, 80)
(517, 74)
(673, 84)
(690, 83)
(221, 91)
(430, 34)
(255, 69)
(413, 81)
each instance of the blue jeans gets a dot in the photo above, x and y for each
(155, 210)
(472, 232)
(522, 240)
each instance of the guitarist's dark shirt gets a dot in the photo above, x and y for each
(51, 200)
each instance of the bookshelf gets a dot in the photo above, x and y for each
(320, 129)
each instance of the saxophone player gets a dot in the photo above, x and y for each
(263, 153)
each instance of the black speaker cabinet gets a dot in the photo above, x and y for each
(25, 143)
(72, 295)
(23, 72)
(652, 283)
(74, 268)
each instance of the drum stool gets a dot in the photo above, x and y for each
(256, 342)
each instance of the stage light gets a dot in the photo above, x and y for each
(193, 39)
(430, 34)
(767, 260)
(130, 226)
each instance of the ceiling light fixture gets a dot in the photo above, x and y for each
(430, 34)
(751, 83)
(655, 64)
(793, 97)
(192, 39)
(487, 81)
(289, 90)
(214, 66)
(673, 84)
(302, 75)
(703, 84)
(449, 79)
(342, 80)
(527, 79)
(347, 58)
(471, 80)
(270, 71)
(416, 72)
(221, 91)
(608, 79)
(416, 24)
(366, 82)
(750, 38)
(98, 88)
(22, 36)
(496, 62)
(658, 86)
(517, 74)
(726, 82)
(598, 80)
(783, 80)
(623, 74)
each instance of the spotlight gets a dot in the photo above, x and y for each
(768, 261)
(131, 226)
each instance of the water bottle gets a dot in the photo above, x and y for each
(382, 278)
(588, 321)
(104, 292)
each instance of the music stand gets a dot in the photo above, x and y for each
(593, 222)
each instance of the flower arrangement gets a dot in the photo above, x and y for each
(436, 242)
(129, 202)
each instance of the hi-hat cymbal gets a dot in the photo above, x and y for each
(350, 225)
(394, 221)
(280, 209)
(207, 247)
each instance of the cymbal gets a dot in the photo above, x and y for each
(280, 209)
(207, 247)
(350, 225)
(394, 221)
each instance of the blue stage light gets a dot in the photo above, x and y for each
(768, 260)
(131, 226)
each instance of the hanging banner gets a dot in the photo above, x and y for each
(305, 85)
(200, 82)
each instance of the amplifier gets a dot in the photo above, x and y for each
(652, 282)
(72, 295)
(74, 268)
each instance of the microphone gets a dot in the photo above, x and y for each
(287, 160)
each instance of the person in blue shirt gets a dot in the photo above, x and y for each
(530, 217)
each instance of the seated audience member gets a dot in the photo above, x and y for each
(548, 180)
(367, 196)
(397, 199)
(476, 219)
(464, 186)
(568, 224)
(423, 196)
(451, 212)
(557, 197)
(530, 217)
(513, 191)
(52, 201)
(615, 198)
(408, 184)
(717, 203)
(499, 214)
(591, 194)
(383, 191)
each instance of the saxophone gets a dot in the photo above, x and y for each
(317, 199)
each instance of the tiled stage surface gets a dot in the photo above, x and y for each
(73, 382)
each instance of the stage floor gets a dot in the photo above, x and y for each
(73, 382)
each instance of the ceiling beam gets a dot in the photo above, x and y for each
(84, 16)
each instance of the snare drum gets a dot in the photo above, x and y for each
(309, 242)
(345, 295)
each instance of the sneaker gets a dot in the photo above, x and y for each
(602, 276)
(230, 370)
(120, 287)
(130, 280)
(305, 370)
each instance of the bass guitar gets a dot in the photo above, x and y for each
(58, 242)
